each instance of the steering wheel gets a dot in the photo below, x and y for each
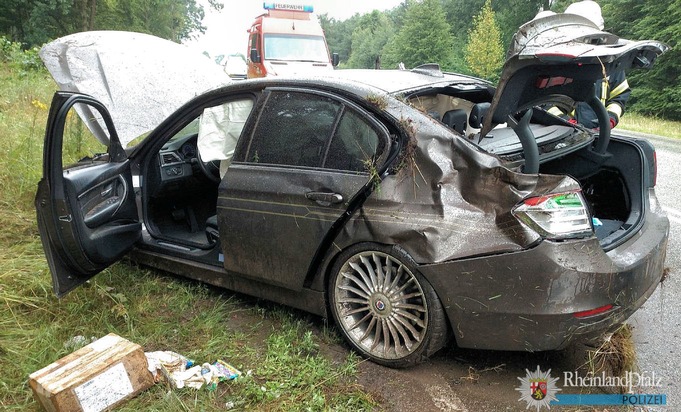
(210, 169)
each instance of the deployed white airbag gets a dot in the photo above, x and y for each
(219, 130)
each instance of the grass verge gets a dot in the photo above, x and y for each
(638, 123)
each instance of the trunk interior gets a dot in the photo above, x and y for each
(613, 187)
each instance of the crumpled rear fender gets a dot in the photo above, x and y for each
(448, 201)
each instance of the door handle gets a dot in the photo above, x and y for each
(325, 198)
(106, 191)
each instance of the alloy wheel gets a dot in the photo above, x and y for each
(381, 305)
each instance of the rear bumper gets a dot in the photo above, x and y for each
(527, 300)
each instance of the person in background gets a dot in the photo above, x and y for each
(613, 91)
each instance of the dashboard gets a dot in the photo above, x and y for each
(176, 158)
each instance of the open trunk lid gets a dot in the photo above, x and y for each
(557, 58)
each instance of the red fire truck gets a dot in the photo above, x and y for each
(287, 40)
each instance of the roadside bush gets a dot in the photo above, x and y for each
(8, 48)
(22, 60)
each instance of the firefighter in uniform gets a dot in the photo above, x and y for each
(613, 91)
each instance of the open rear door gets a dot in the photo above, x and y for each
(85, 201)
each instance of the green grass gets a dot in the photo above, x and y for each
(282, 348)
(639, 123)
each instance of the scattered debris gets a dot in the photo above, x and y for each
(103, 373)
(474, 374)
(162, 362)
(181, 372)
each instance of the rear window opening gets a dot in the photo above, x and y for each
(459, 108)
(463, 109)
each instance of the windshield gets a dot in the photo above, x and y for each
(294, 47)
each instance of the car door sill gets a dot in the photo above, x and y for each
(306, 299)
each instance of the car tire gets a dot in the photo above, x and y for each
(384, 307)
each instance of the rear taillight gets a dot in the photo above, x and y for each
(556, 216)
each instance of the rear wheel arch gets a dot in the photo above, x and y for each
(434, 335)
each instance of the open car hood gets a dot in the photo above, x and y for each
(141, 79)
(558, 58)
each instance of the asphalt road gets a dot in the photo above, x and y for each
(657, 325)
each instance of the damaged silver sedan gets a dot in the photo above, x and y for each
(409, 206)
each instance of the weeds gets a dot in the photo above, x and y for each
(22, 61)
(374, 177)
(406, 157)
(379, 102)
(406, 160)
(615, 356)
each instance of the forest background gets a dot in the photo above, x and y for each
(465, 36)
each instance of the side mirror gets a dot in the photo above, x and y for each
(255, 56)
(335, 59)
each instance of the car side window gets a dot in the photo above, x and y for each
(294, 129)
(354, 145)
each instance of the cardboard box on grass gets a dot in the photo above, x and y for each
(95, 378)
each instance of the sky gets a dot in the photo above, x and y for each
(226, 30)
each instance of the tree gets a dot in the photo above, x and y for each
(618, 16)
(169, 19)
(424, 38)
(34, 22)
(460, 15)
(511, 14)
(655, 92)
(484, 52)
(371, 34)
(339, 34)
(659, 93)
